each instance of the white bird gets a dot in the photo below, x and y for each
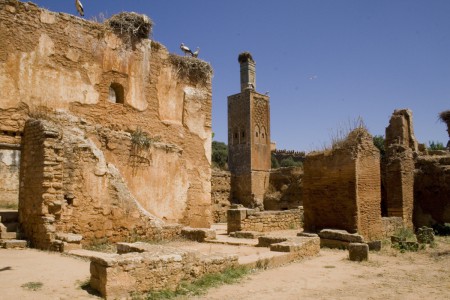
(195, 54)
(79, 7)
(185, 49)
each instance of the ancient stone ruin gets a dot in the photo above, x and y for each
(401, 147)
(105, 137)
(114, 133)
(341, 187)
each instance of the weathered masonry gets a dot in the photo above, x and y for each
(249, 139)
(342, 187)
(113, 127)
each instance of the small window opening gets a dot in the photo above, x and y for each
(116, 93)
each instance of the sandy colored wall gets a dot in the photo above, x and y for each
(329, 192)
(285, 189)
(66, 63)
(432, 190)
(9, 180)
(342, 187)
(68, 187)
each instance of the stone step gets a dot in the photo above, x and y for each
(8, 235)
(301, 246)
(14, 244)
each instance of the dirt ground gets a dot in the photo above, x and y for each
(388, 274)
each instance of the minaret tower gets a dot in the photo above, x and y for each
(249, 139)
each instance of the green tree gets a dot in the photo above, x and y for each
(219, 154)
(290, 162)
(435, 145)
(274, 162)
(378, 141)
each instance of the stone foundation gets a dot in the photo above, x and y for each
(243, 219)
(143, 268)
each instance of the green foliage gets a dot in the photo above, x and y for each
(274, 162)
(219, 154)
(406, 240)
(435, 145)
(199, 286)
(405, 234)
(378, 141)
(141, 140)
(290, 162)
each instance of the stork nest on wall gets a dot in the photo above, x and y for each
(445, 116)
(130, 26)
(195, 70)
(245, 57)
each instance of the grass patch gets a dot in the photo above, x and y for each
(32, 285)
(199, 286)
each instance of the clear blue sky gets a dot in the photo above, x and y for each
(324, 62)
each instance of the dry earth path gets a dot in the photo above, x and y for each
(387, 275)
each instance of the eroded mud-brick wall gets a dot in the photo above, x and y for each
(68, 187)
(401, 146)
(432, 190)
(41, 195)
(220, 195)
(285, 189)
(63, 62)
(341, 188)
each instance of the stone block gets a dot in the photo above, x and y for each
(307, 234)
(358, 251)
(299, 246)
(266, 241)
(69, 237)
(14, 244)
(333, 244)
(236, 214)
(340, 235)
(8, 235)
(374, 245)
(198, 234)
(247, 234)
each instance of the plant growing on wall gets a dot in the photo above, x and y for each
(140, 144)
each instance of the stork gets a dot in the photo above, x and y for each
(79, 7)
(195, 54)
(185, 49)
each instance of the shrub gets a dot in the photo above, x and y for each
(274, 162)
(219, 154)
(290, 162)
(436, 146)
(378, 141)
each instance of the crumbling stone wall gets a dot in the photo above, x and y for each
(341, 187)
(67, 186)
(220, 195)
(243, 219)
(432, 190)
(285, 189)
(144, 268)
(62, 62)
(401, 148)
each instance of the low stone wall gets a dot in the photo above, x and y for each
(243, 219)
(144, 267)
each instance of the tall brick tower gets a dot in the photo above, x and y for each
(249, 139)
